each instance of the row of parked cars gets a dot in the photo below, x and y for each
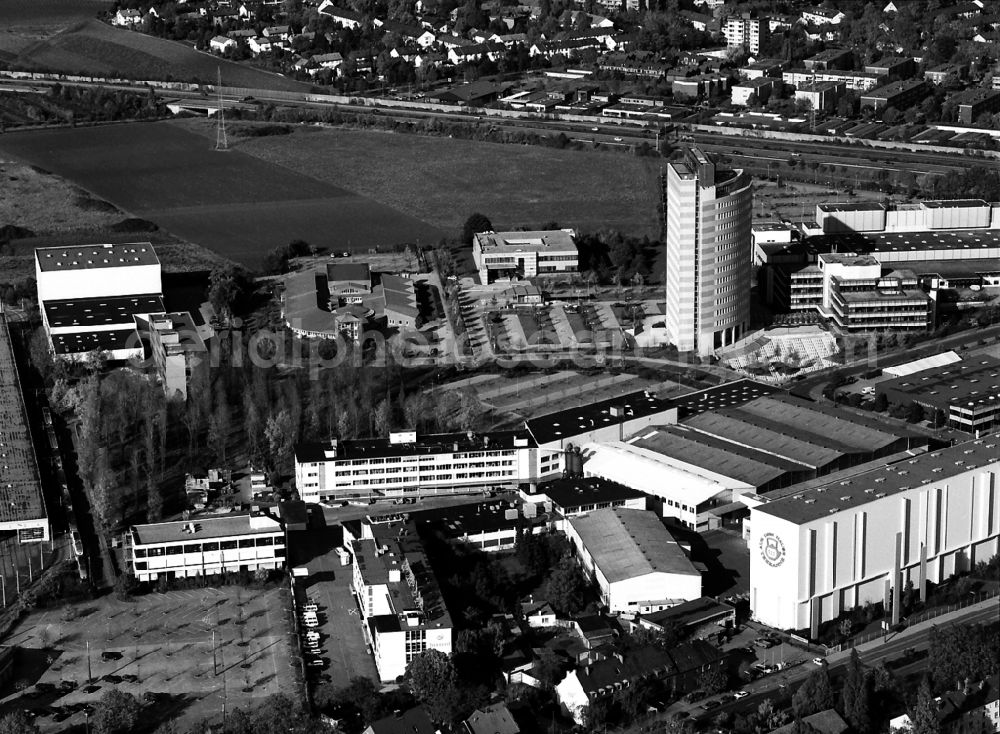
(312, 640)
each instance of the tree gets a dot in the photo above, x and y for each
(914, 412)
(116, 713)
(280, 437)
(712, 681)
(566, 586)
(222, 290)
(881, 403)
(125, 587)
(475, 224)
(815, 694)
(923, 715)
(856, 701)
(18, 722)
(434, 683)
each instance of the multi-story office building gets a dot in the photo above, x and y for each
(746, 30)
(206, 546)
(401, 608)
(178, 350)
(830, 545)
(90, 296)
(405, 465)
(525, 254)
(857, 297)
(709, 253)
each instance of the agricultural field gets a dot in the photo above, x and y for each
(237, 205)
(157, 643)
(57, 212)
(93, 48)
(443, 180)
(24, 22)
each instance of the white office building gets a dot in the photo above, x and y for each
(709, 254)
(401, 608)
(829, 545)
(206, 546)
(524, 254)
(90, 296)
(637, 564)
(406, 465)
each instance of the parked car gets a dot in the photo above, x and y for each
(694, 696)
(310, 607)
(819, 661)
(311, 622)
(740, 694)
(711, 704)
(109, 655)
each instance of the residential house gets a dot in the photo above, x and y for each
(221, 44)
(259, 45)
(494, 719)
(475, 53)
(327, 61)
(414, 721)
(276, 33)
(420, 36)
(341, 16)
(602, 674)
(827, 721)
(127, 18)
(450, 41)
(822, 16)
(538, 613)
(701, 21)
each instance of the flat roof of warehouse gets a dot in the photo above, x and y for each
(969, 382)
(575, 421)
(20, 484)
(100, 341)
(846, 494)
(101, 311)
(953, 239)
(89, 257)
(727, 395)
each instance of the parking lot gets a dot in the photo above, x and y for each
(342, 644)
(196, 649)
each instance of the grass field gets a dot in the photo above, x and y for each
(24, 22)
(166, 641)
(442, 180)
(234, 204)
(95, 48)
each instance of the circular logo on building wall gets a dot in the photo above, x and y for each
(772, 550)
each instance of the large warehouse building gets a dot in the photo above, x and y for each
(636, 562)
(860, 537)
(22, 504)
(90, 296)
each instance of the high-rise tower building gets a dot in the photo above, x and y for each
(709, 253)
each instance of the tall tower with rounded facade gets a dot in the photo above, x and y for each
(709, 253)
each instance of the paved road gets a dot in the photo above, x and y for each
(779, 687)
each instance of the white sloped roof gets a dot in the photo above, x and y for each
(927, 363)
